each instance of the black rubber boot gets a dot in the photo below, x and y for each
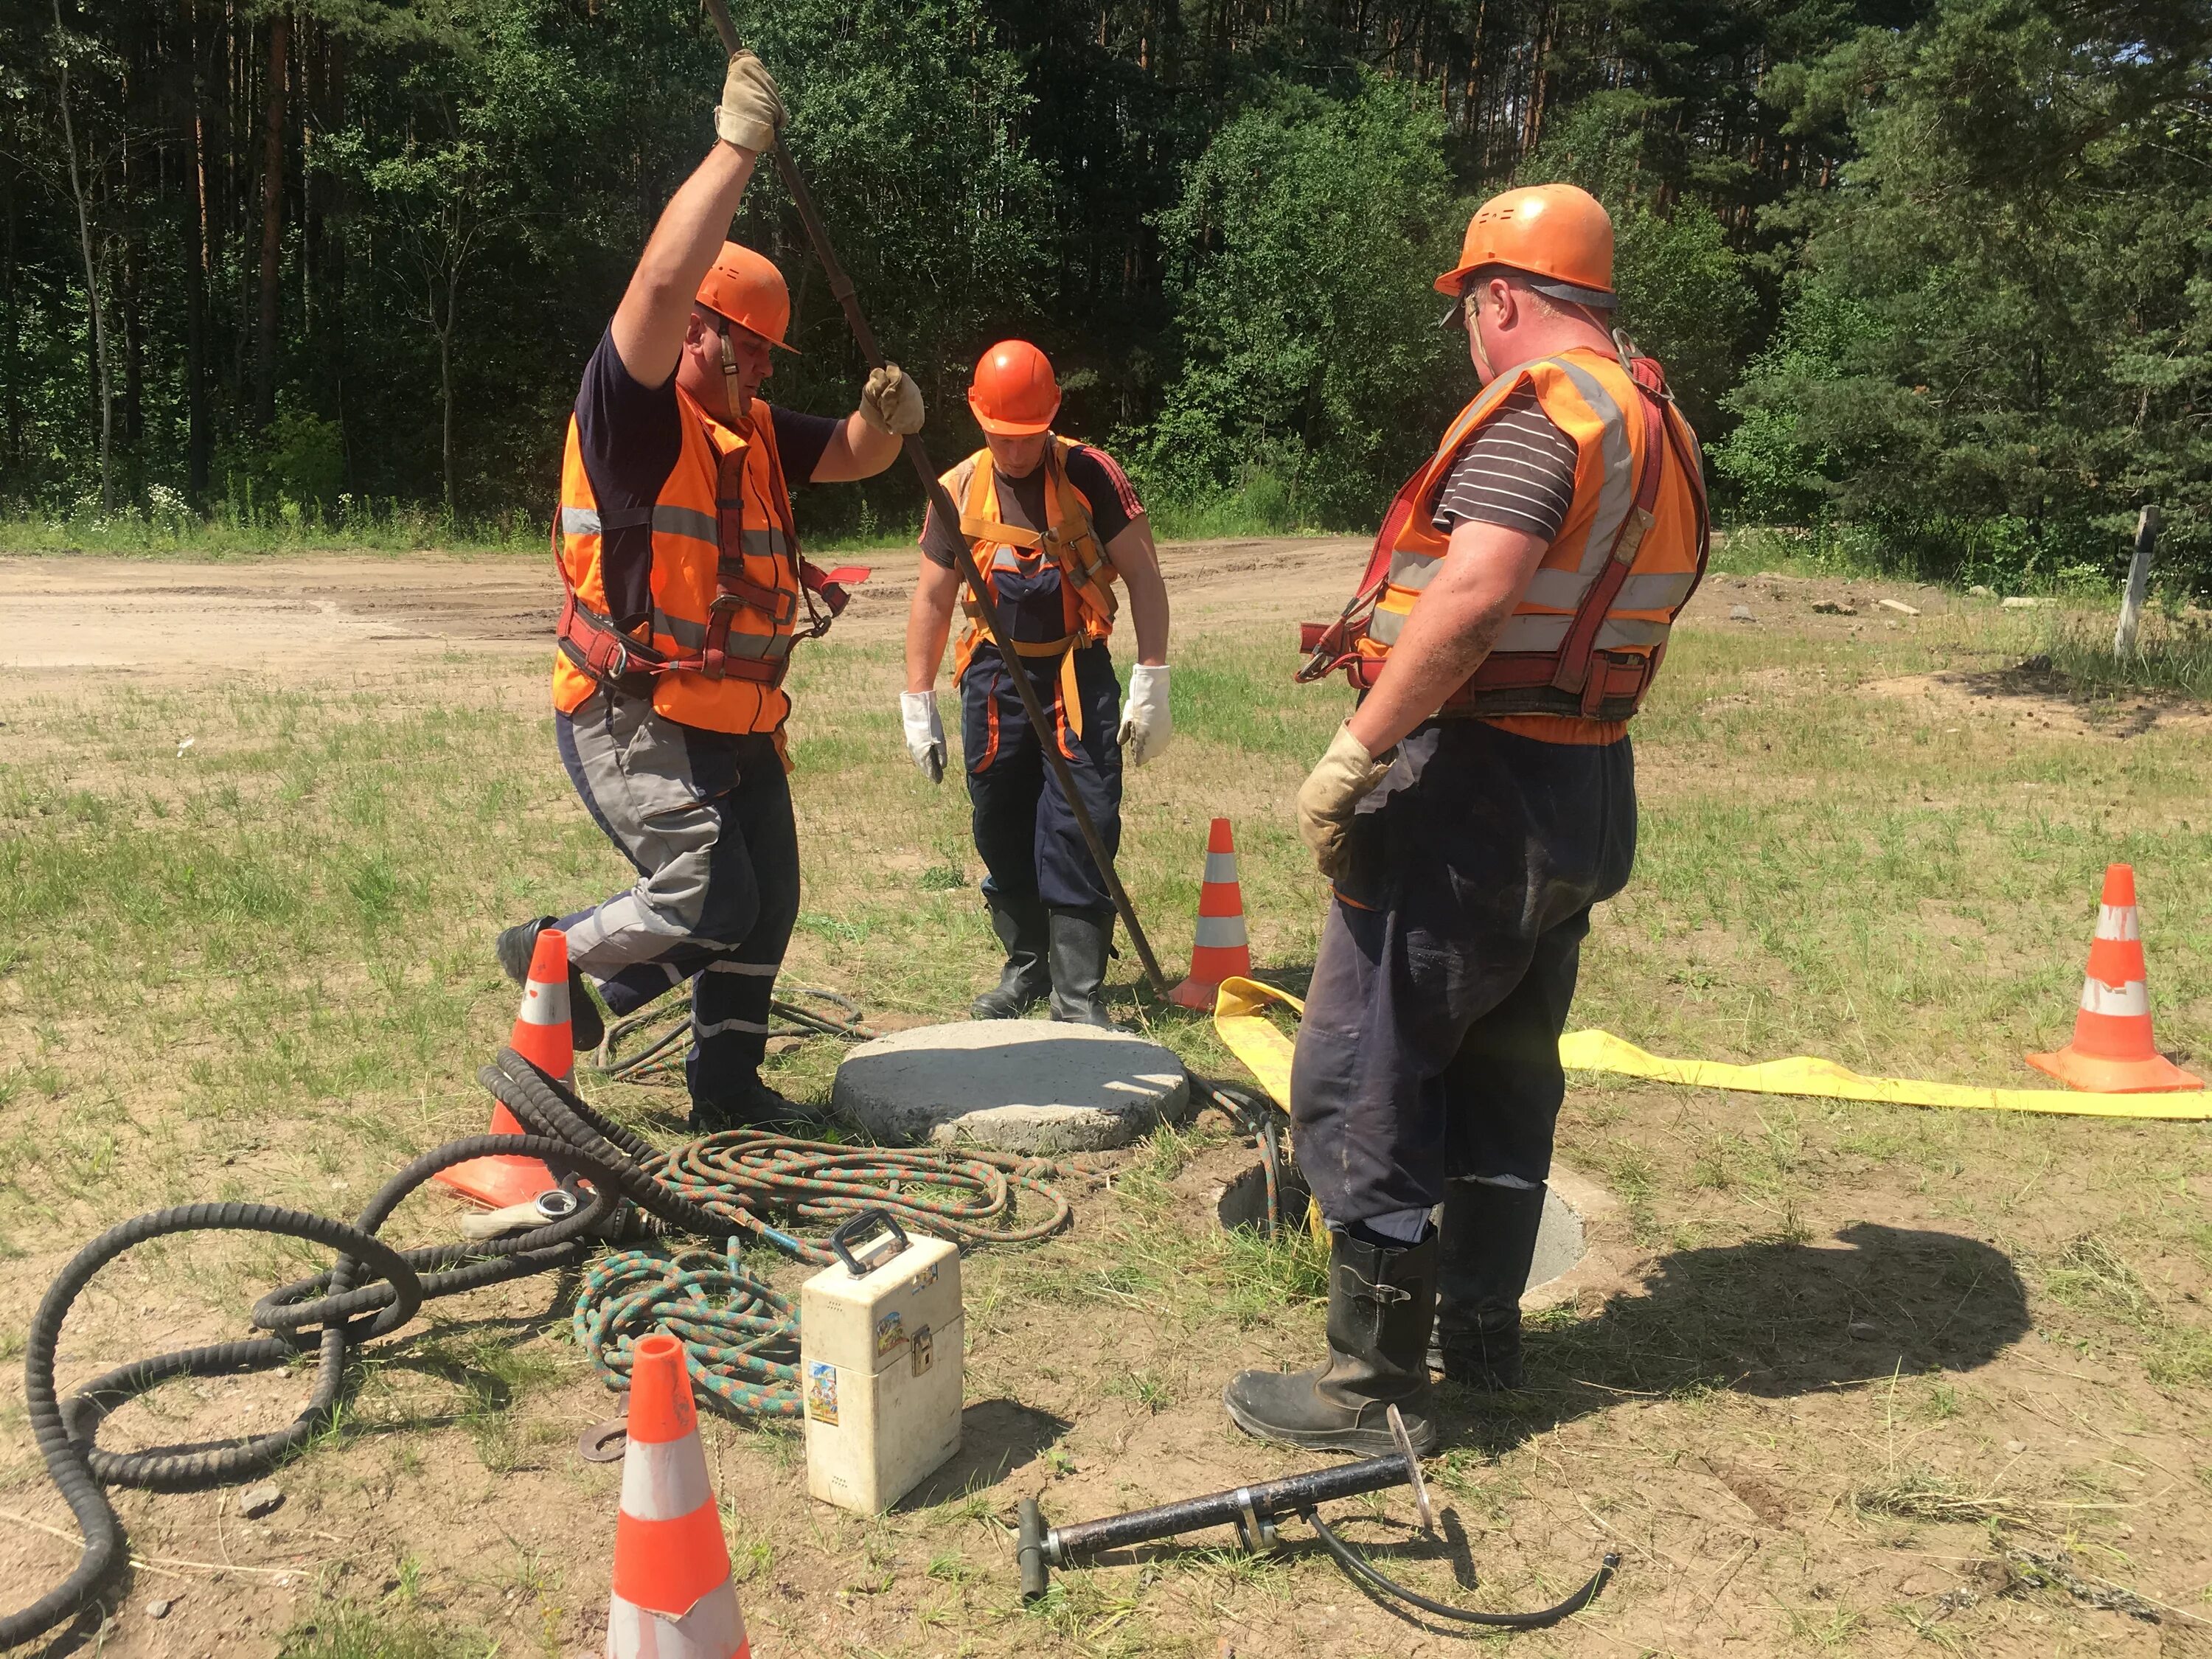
(1487, 1242)
(1381, 1301)
(1080, 941)
(1024, 929)
(513, 947)
(753, 1105)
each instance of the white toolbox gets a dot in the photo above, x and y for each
(879, 1360)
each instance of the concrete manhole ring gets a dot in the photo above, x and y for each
(1031, 1086)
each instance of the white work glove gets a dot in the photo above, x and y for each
(1146, 726)
(750, 113)
(925, 732)
(892, 402)
(1332, 791)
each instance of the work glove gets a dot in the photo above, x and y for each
(750, 113)
(892, 402)
(1331, 792)
(925, 732)
(1146, 725)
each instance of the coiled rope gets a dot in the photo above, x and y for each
(734, 1327)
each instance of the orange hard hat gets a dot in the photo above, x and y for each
(1014, 394)
(750, 291)
(1560, 236)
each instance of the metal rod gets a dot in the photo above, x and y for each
(941, 503)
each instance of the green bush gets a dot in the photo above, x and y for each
(1311, 371)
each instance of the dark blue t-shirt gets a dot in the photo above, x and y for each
(631, 436)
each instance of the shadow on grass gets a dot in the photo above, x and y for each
(1769, 1319)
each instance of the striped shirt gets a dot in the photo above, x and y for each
(1517, 471)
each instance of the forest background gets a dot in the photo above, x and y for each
(1933, 277)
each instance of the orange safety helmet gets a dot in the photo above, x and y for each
(1557, 235)
(1014, 394)
(750, 291)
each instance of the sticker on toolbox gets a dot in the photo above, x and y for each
(822, 1393)
(921, 1350)
(891, 1331)
(922, 1280)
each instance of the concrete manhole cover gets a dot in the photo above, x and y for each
(1016, 1085)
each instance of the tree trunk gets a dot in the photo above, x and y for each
(91, 284)
(445, 381)
(197, 443)
(273, 216)
(11, 401)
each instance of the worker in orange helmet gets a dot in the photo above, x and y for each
(1478, 802)
(686, 591)
(1053, 523)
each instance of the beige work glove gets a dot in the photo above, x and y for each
(892, 402)
(1332, 791)
(750, 113)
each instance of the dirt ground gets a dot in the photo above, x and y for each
(1833, 1380)
(335, 619)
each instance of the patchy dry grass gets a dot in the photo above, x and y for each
(1859, 1360)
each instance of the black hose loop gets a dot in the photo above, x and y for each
(1365, 1573)
(67, 1459)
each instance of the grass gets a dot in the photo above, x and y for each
(258, 968)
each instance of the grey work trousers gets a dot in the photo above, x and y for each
(705, 818)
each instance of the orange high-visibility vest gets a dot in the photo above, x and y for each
(1086, 574)
(728, 583)
(1590, 631)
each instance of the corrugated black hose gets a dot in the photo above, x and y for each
(568, 1135)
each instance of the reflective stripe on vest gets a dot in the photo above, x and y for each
(725, 577)
(1590, 627)
(1550, 588)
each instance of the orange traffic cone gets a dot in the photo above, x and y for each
(540, 1036)
(2111, 1053)
(1221, 951)
(673, 1594)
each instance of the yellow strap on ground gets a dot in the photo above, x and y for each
(1240, 1019)
(1801, 1074)
(1241, 1023)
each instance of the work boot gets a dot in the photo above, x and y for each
(1079, 942)
(1485, 1245)
(513, 948)
(752, 1105)
(1381, 1300)
(1024, 929)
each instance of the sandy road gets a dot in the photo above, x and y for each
(334, 616)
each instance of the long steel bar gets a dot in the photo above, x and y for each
(941, 504)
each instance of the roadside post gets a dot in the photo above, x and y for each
(2123, 639)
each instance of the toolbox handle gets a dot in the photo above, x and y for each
(869, 1220)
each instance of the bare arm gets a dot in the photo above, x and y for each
(649, 323)
(928, 621)
(858, 451)
(1139, 562)
(1483, 577)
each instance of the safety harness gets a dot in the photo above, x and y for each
(1072, 544)
(595, 645)
(1574, 678)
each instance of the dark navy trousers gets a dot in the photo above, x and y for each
(1023, 827)
(1430, 1049)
